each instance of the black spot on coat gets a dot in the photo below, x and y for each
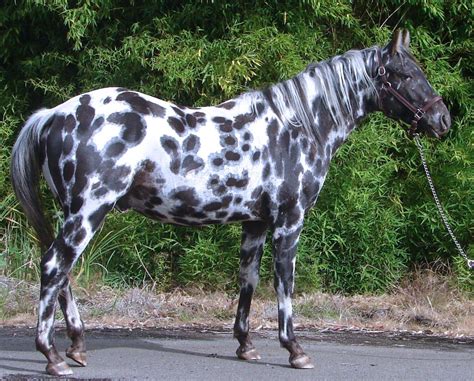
(176, 124)
(54, 148)
(191, 143)
(133, 126)
(232, 156)
(76, 204)
(191, 120)
(227, 105)
(229, 140)
(98, 216)
(178, 110)
(67, 145)
(218, 161)
(243, 119)
(84, 115)
(115, 149)
(190, 162)
(188, 196)
(212, 206)
(68, 170)
(115, 178)
(70, 123)
(141, 105)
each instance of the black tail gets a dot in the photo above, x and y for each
(25, 174)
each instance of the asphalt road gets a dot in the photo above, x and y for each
(188, 355)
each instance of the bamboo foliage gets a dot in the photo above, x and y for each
(375, 217)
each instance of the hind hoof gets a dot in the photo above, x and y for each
(58, 370)
(301, 362)
(249, 354)
(79, 357)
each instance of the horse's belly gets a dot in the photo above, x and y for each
(187, 207)
(200, 198)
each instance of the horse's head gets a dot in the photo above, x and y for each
(404, 91)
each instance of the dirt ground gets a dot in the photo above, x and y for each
(426, 305)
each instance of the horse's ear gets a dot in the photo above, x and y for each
(406, 39)
(400, 39)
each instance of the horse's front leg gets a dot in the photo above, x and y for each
(253, 240)
(285, 242)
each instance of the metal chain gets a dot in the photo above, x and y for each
(444, 218)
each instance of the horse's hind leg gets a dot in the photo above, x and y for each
(56, 264)
(253, 240)
(74, 324)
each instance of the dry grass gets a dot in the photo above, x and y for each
(425, 303)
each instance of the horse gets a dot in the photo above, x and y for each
(260, 159)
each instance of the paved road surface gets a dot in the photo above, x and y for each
(185, 355)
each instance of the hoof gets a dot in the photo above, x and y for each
(301, 362)
(79, 357)
(249, 354)
(60, 369)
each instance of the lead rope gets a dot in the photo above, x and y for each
(444, 218)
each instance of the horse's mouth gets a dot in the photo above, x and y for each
(435, 133)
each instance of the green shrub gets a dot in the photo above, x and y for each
(375, 217)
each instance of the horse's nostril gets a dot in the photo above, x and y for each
(445, 122)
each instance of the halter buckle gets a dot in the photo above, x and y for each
(381, 71)
(419, 114)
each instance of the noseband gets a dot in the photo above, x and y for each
(418, 112)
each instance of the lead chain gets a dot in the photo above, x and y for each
(444, 218)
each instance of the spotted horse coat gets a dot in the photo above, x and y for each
(259, 159)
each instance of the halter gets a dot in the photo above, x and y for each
(418, 112)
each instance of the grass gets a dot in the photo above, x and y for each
(424, 302)
(17, 300)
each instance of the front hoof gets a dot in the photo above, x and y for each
(79, 357)
(247, 353)
(58, 370)
(301, 362)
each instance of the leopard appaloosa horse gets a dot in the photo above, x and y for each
(260, 159)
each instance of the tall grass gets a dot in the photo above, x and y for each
(19, 252)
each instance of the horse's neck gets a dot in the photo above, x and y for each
(362, 100)
(327, 100)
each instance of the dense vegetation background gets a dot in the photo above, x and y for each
(375, 219)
